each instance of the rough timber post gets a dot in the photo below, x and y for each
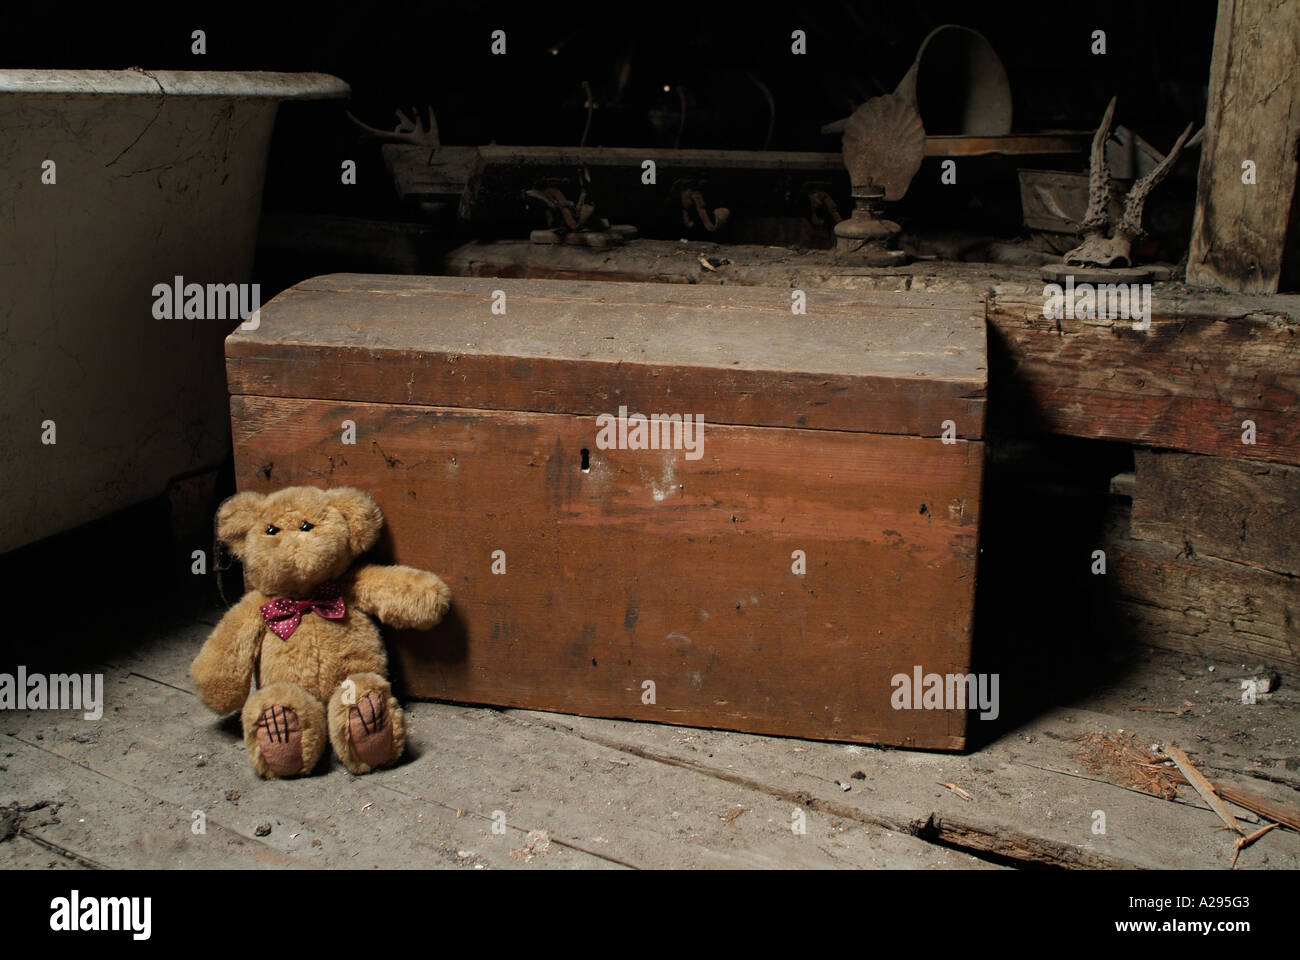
(1252, 128)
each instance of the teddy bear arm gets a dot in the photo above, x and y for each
(223, 670)
(402, 597)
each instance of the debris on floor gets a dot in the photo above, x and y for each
(1122, 759)
(735, 812)
(955, 789)
(1243, 842)
(535, 844)
(1203, 787)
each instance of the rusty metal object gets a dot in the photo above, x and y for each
(560, 210)
(884, 144)
(1098, 249)
(573, 222)
(693, 202)
(820, 200)
(867, 237)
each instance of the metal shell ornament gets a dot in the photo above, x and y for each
(884, 144)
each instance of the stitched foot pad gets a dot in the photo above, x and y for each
(279, 735)
(370, 729)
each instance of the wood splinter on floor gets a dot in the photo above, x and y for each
(1203, 787)
(955, 789)
(1243, 842)
(735, 812)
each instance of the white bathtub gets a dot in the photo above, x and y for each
(158, 174)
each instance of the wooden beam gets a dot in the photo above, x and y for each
(1209, 362)
(1231, 509)
(1189, 383)
(423, 173)
(1204, 606)
(1239, 232)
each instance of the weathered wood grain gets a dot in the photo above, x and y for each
(1029, 801)
(1240, 230)
(897, 365)
(1204, 606)
(91, 804)
(127, 798)
(1189, 383)
(652, 567)
(1209, 362)
(1231, 509)
(473, 761)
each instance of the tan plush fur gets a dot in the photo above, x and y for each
(323, 660)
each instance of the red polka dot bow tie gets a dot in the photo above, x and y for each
(284, 615)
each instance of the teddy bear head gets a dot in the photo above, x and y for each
(294, 539)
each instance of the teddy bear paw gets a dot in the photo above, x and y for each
(279, 737)
(370, 729)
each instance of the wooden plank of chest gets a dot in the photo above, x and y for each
(897, 365)
(651, 567)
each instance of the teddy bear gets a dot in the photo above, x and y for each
(303, 637)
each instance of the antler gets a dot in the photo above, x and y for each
(1131, 224)
(407, 130)
(1097, 248)
(1098, 214)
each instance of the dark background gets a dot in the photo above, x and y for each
(401, 55)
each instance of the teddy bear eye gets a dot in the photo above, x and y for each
(272, 530)
(306, 526)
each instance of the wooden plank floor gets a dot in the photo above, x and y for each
(124, 791)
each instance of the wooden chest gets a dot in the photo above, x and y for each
(774, 569)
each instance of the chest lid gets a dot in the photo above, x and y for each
(895, 363)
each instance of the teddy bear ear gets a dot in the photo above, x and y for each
(236, 516)
(363, 515)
